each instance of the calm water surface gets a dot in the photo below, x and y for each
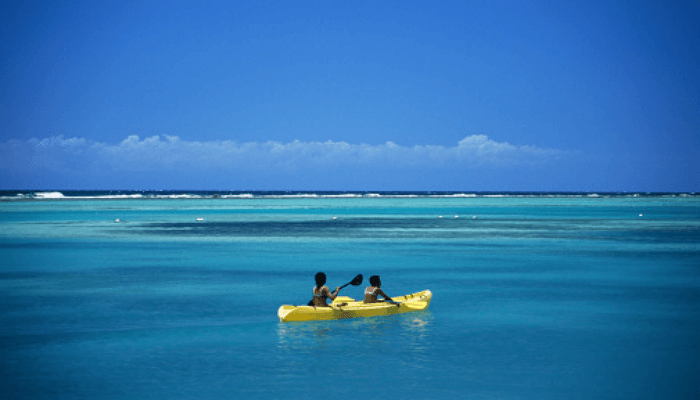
(533, 298)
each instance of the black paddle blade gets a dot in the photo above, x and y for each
(357, 280)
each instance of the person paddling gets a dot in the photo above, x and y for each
(321, 292)
(374, 291)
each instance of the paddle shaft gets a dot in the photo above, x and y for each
(355, 281)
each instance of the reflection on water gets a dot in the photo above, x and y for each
(418, 331)
(355, 350)
(356, 347)
(366, 333)
(418, 324)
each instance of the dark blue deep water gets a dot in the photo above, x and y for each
(534, 297)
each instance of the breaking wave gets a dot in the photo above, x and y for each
(247, 195)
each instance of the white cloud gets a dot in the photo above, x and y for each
(170, 153)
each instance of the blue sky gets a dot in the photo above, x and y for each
(356, 95)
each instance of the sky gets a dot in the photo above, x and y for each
(350, 95)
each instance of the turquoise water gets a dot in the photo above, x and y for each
(534, 297)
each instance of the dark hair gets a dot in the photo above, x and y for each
(320, 279)
(374, 280)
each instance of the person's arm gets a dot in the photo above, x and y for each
(333, 295)
(387, 298)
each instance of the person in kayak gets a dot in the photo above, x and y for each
(321, 292)
(374, 291)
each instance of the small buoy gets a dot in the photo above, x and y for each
(456, 216)
(200, 219)
(116, 220)
(335, 217)
(640, 215)
(440, 216)
(473, 216)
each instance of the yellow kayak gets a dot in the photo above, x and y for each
(355, 309)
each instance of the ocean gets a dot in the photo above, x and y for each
(174, 295)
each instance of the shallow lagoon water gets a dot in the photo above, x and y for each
(535, 298)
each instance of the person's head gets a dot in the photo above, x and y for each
(374, 280)
(320, 279)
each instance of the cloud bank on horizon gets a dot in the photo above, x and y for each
(477, 162)
(165, 153)
(171, 162)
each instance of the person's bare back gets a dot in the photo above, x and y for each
(321, 292)
(321, 295)
(373, 292)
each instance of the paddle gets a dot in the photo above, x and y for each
(355, 281)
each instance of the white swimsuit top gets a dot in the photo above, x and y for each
(321, 295)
